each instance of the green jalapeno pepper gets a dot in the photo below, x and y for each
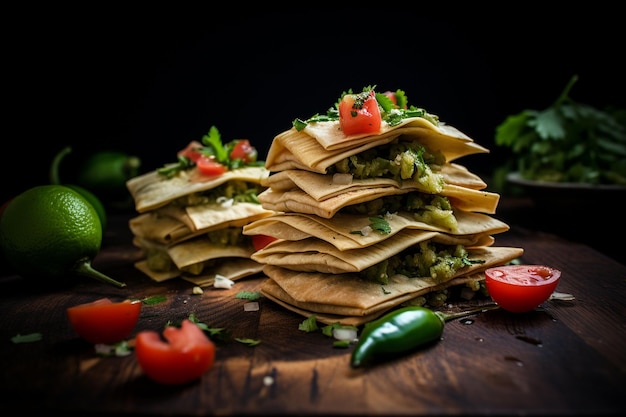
(402, 330)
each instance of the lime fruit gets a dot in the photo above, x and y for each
(94, 201)
(89, 196)
(52, 232)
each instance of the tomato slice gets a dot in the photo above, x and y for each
(521, 288)
(185, 355)
(209, 166)
(359, 113)
(191, 151)
(104, 321)
(261, 241)
(244, 151)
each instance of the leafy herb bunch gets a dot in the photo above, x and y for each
(567, 142)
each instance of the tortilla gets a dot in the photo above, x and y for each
(338, 230)
(232, 269)
(316, 255)
(350, 299)
(323, 144)
(152, 190)
(173, 224)
(301, 201)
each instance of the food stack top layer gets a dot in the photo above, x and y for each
(372, 210)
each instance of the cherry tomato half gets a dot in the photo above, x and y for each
(521, 288)
(191, 151)
(359, 113)
(185, 355)
(209, 166)
(104, 321)
(244, 151)
(261, 241)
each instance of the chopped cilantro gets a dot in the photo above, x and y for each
(249, 342)
(214, 148)
(309, 324)
(377, 223)
(341, 343)
(155, 299)
(391, 113)
(26, 338)
(248, 295)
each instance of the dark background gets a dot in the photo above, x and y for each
(149, 81)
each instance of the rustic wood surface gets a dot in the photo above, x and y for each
(566, 357)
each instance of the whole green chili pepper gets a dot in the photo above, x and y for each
(402, 330)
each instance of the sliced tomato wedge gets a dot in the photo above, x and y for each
(185, 354)
(261, 241)
(359, 113)
(392, 96)
(244, 151)
(209, 167)
(191, 151)
(104, 321)
(521, 288)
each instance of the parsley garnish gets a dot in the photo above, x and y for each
(213, 148)
(391, 113)
(377, 223)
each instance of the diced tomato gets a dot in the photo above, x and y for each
(359, 113)
(392, 96)
(244, 151)
(185, 355)
(104, 321)
(521, 288)
(191, 151)
(209, 166)
(261, 241)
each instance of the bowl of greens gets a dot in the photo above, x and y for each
(564, 155)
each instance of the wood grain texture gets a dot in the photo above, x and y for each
(565, 357)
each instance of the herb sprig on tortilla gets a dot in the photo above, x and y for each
(567, 142)
(213, 155)
(392, 110)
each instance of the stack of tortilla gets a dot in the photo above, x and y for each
(331, 260)
(190, 226)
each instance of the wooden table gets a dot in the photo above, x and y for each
(566, 357)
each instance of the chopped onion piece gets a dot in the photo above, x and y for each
(563, 296)
(366, 230)
(225, 202)
(342, 179)
(197, 290)
(223, 282)
(344, 334)
(251, 306)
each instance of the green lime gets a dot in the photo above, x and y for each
(89, 196)
(94, 201)
(50, 232)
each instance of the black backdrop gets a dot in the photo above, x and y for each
(149, 81)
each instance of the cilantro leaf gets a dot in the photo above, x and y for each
(27, 338)
(309, 324)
